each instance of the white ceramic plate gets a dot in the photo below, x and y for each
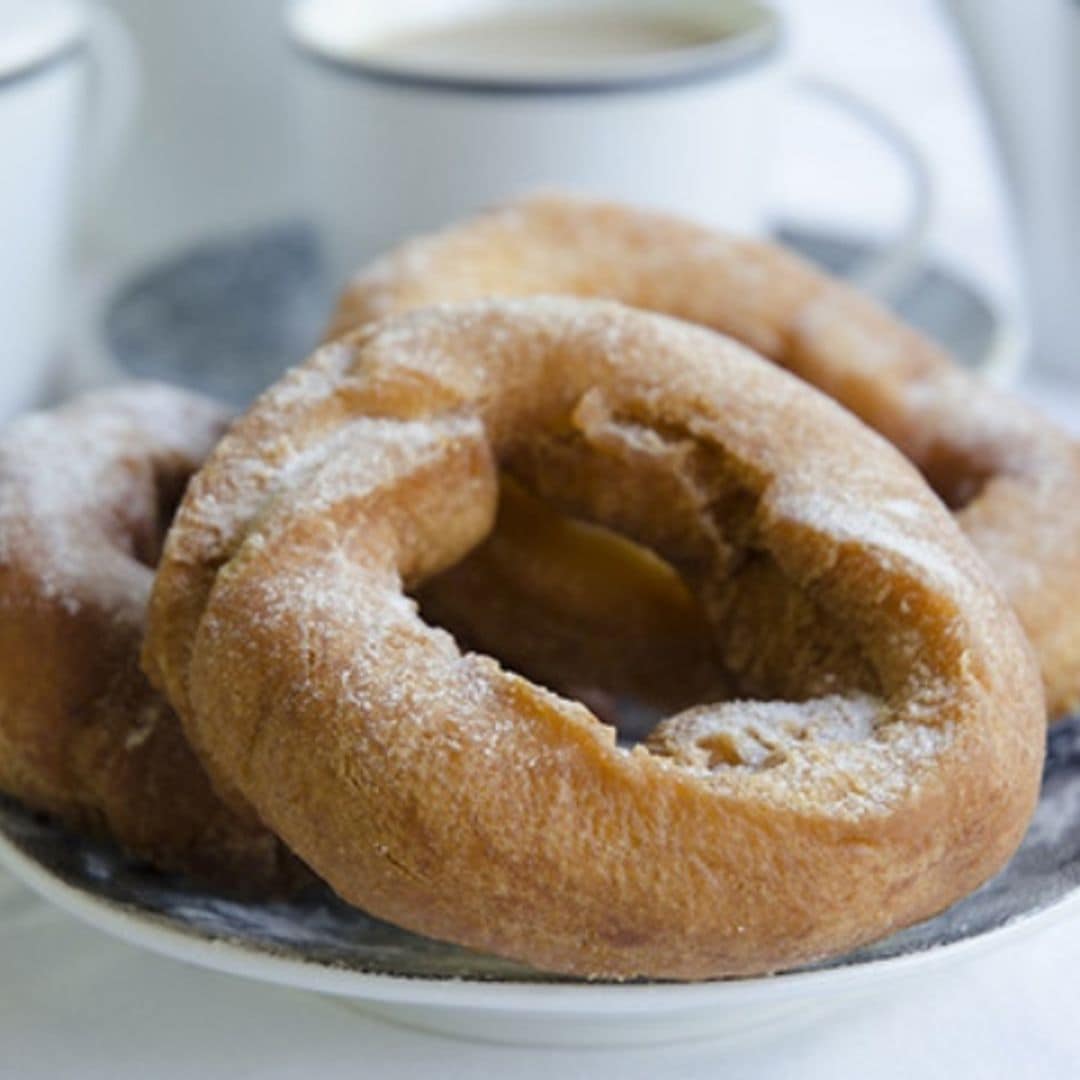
(316, 943)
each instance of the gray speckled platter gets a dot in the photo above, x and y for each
(317, 927)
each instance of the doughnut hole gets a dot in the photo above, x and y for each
(161, 485)
(958, 475)
(565, 593)
(590, 614)
(784, 669)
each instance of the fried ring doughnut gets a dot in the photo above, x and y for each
(85, 496)
(891, 762)
(1010, 475)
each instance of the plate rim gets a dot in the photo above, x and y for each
(497, 995)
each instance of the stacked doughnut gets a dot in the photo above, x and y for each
(1010, 476)
(399, 602)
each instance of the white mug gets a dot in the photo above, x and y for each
(48, 51)
(1028, 58)
(210, 152)
(393, 146)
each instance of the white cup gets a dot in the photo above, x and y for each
(49, 50)
(1028, 60)
(210, 152)
(390, 147)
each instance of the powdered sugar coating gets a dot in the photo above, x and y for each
(75, 482)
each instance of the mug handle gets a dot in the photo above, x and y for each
(114, 70)
(884, 273)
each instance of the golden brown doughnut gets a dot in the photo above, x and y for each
(1010, 475)
(890, 761)
(86, 492)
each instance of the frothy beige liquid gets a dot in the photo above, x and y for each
(540, 42)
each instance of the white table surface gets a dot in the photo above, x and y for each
(74, 1003)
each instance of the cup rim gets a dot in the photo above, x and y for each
(663, 69)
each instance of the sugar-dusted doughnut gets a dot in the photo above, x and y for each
(86, 492)
(888, 762)
(1012, 478)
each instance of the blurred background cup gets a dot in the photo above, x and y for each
(59, 60)
(1027, 56)
(410, 115)
(211, 151)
